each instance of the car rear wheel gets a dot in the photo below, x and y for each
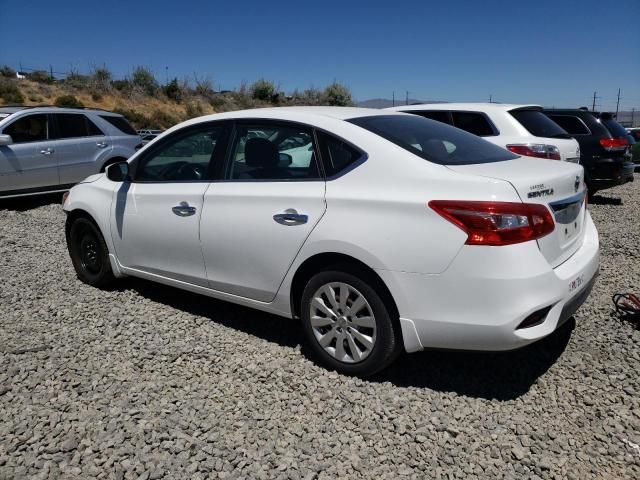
(347, 324)
(89, 253)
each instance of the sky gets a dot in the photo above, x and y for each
(551, 52)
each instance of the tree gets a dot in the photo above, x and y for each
(144, 79)
(173, 91)
(338, 95)
(263, 90)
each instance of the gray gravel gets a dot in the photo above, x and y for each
(147, 382)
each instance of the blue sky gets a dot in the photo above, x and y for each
(550, 52)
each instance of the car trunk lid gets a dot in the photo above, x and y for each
(557, 185)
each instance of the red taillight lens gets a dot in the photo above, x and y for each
(496, 223)
(611, 144)
(538, 150)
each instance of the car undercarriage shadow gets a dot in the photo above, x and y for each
(22, 204)
(500, 376)
(599, 199)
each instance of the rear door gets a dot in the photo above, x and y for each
(557, 185)
(81, 146)
(258, 215)
(155, 218)
(29, 163)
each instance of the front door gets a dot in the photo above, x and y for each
(156, 217)
(256, 219)
(29, 163)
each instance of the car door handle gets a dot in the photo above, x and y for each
(47, 151)
(102, 144)
(184, 210)
(290, 217)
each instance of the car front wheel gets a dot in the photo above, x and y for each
(89, 253)
(347, 323)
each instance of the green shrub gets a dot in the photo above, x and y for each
(10, 93)
(635, 150)
(173, 91)
(138, 120)
(101, 79)
(162, 120)
(338, 95)
(263, 90)
(144, 79)
(78, 81)
(68, 101)
(121, 85)
(194, 109)
(7, 71)
(40, 76)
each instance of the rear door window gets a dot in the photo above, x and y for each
(573, 125)
(437, 115)
(473, 122)
(433, 141)
(74, 125)
(538, 124)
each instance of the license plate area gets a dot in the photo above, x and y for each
(568, 218)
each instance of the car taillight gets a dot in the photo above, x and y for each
(496, 223)
(612, 144)
(535, 150)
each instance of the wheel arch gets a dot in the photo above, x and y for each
(343, 262)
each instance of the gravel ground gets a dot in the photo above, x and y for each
(149, 382)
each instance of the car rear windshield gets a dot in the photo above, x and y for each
(614, 127)
(538, 124)
(434, 141)
(120, 123)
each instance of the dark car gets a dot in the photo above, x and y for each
(605, 146)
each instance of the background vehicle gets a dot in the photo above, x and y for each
(144, 132)
(45, 149)
(375, 228)
(606, 153)
(522, 129)
(147, 138)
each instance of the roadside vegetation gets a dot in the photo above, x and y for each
(148, 104)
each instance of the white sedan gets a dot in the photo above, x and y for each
(380, 231)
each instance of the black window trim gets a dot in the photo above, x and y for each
(256, 121)
(493, 127)
(364, 156)
(183, 132)
(550, 115)
(49, 125)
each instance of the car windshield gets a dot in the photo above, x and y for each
(434, 141)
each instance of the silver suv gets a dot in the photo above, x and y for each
(48, 149)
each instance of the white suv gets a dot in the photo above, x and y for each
(523, 129)
(49, 149)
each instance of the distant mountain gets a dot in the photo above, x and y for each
(385, 102)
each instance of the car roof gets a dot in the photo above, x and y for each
(478, 106)
(49, 109)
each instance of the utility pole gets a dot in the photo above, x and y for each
(393, 98)
(593, 106)
(490, 98)
(618, 103)
(633, 111)
(166, 74)
(51, 71)
(407, 98)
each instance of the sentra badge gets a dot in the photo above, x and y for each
(540, 190)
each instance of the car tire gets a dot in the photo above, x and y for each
(369, 336)
(89, 253)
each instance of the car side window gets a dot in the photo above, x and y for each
(437, 115)
(473, 122)
(273, 152)
(183, 157)
(337, 155)
(74, 125)
(573, 125)
(30, 128)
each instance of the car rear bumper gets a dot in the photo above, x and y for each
(607, 173)
(487, 292)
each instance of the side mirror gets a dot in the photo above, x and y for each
(5, 140)
(118, 172)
